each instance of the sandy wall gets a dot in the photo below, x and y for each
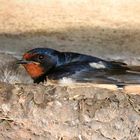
(27, 15)
(97, 27)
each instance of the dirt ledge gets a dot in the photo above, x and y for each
(81, 112)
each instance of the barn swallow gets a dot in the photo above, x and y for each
(45, 63)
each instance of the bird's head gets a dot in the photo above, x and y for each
(39, 61)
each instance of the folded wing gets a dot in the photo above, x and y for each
(103, 72)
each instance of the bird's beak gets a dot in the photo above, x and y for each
(22, 61)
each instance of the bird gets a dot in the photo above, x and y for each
(44, 64)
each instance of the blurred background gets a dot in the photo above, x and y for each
(105, 28)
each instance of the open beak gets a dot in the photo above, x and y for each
(22, 61)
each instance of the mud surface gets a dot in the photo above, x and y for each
(55, 112)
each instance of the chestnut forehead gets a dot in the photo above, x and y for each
(28, 55)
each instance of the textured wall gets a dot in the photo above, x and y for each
(30, 112)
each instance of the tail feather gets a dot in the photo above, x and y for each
(134, 68)
(119, 65)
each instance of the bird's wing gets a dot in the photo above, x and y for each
(85, 72)
(65, 58)
(93, 76)
(103, 77)
(68, 70)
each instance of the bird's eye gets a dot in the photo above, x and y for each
(40, 57)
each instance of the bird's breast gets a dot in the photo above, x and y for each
(34, 70)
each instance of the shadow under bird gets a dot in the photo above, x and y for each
(45, 63)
